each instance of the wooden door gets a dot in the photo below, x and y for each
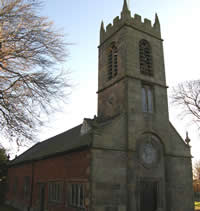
(148, 196)
(42, 197)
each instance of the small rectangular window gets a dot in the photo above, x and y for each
(73, 194)
(76, 195)
(147, 98)
(55, 191)
(81, 196)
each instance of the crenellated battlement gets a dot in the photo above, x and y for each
(134, 22)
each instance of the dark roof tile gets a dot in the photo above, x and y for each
(69, 140)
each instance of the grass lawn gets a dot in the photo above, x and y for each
(197, 205)
(6, 208)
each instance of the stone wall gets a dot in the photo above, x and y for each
(109, 176)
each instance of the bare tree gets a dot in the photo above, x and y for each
(196, 170)
(187, 96)
(31, 80)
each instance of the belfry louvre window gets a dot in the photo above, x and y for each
(145, 56)
(147, 99)
(112, 62)
(76, 195)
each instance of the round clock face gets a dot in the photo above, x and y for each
(148, 153)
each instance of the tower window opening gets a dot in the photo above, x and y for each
(147, 99)
(145, 57)
(112, 62)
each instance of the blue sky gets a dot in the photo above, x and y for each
(81, 19)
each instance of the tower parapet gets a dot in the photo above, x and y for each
(133, 22)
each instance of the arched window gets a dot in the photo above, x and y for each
(112, 62)
(145, 57)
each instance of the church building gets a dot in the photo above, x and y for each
(129, 157)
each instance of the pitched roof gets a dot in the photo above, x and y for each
(67, 141)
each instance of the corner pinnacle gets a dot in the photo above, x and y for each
(125, 6)
(102, 26)
(125, 11)
(157, 22)
(187, 139)
(102, 32)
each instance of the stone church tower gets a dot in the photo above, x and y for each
(129, 157)
(139, 161)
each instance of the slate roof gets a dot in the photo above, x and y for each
(67, 141)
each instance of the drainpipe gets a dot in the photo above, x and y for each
(32, 187)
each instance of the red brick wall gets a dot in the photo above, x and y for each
(68, 168)
(20, 172)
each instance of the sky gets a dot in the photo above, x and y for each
(80, 20)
